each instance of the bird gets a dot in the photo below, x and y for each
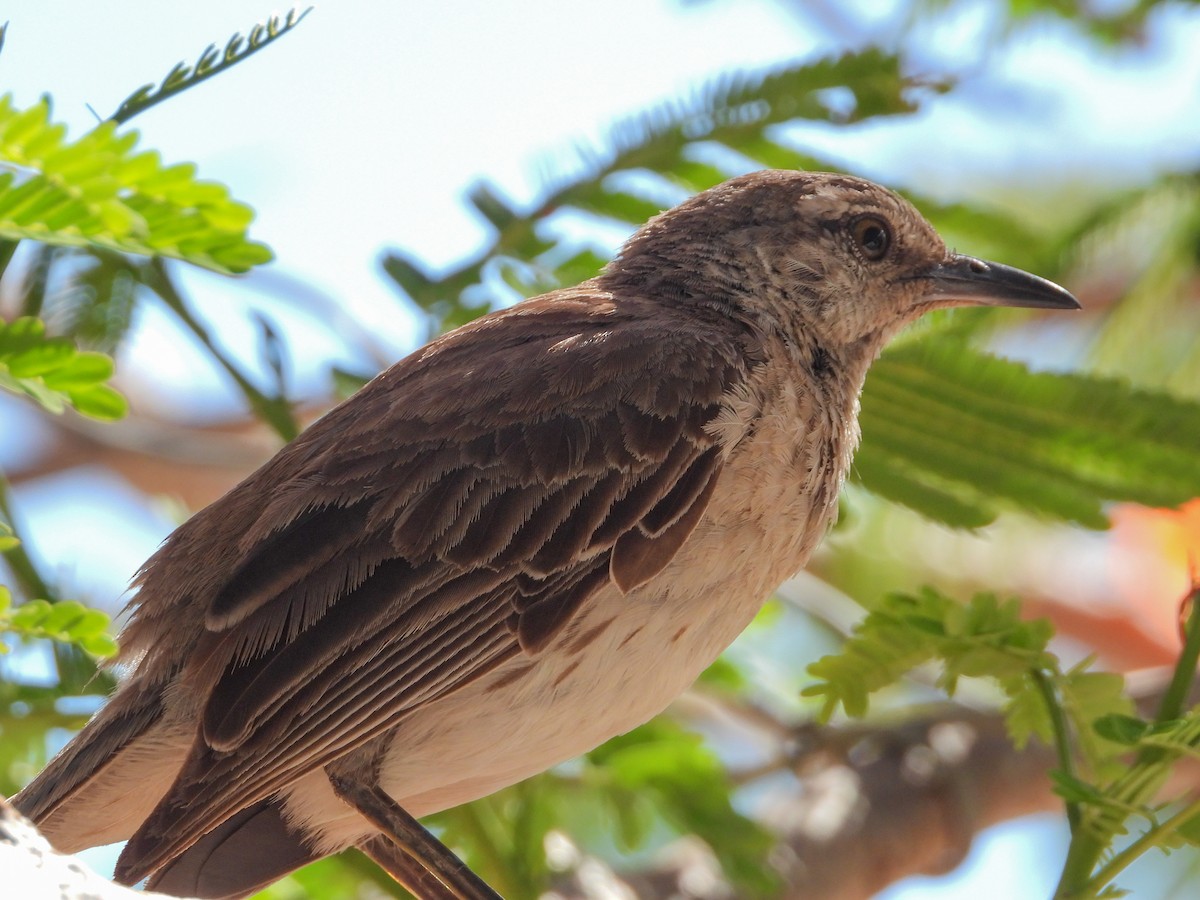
(526, 537)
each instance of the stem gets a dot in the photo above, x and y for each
(1144, 776)
(7, 247)
(76, 670)
(274, 411)
(1185, 668)
(28, 578)
(1081, 859)
(1062, 740)
(1149, 838)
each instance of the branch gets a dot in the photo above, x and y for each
(32, 868)
(274, 411)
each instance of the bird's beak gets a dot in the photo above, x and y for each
(966, 280)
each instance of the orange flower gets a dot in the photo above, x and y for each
(1156, 553)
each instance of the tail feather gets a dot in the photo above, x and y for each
(244, 853)
(104, 784)
(131, 713)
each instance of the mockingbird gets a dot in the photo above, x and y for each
(523, 539)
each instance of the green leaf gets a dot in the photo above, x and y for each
(724, 676)
(1077, 791)
(990, 233)
(97, 645)
(982, 637)
(50, 356)
(1121, 729)
(634, 818)
(1090, 698)
(99, 402)
(209, 63)
(685, 780)
(67, 621)
(889, 474)
(578, 267)
(1026, 715)
(959, 435)
(346, 382)
(1190, 830)
(54, 374)
(29, 616)
(97, 193)
(740, 114)
(61, 617)
(619, 205)
(888, 643)
(77, 369)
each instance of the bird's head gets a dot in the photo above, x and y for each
(838, 260)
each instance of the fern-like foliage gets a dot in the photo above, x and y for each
(211, 62)
(98, 192)
(1112, 764)
(29, 710)
(1148, 239)
(959, 435)
(54, 374)
(1114, 24)
(96, 305)
(981, 638)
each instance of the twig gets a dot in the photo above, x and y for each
(24, 570)
(274, 411)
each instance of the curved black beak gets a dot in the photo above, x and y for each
(966, 280)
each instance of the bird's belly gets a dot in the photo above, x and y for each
(622, 661)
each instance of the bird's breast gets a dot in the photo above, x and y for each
(789, 438)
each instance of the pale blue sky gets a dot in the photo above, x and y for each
(362, 129)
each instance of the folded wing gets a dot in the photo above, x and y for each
(457, 512)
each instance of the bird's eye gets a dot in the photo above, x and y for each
(872, 236)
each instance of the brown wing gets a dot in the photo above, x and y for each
(456, 512)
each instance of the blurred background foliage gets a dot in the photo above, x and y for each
(1052, 459)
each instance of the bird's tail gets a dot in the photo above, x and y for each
(95, 791)
(244, 853)
(106, 781)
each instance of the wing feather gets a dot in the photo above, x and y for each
(285, 558)
(639, 555)
(543, 615)
(685, 491)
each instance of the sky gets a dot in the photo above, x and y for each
(362, 130)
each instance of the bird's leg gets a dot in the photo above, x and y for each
(407, 871)
(418, 860)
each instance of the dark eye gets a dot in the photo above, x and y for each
(872, 236)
